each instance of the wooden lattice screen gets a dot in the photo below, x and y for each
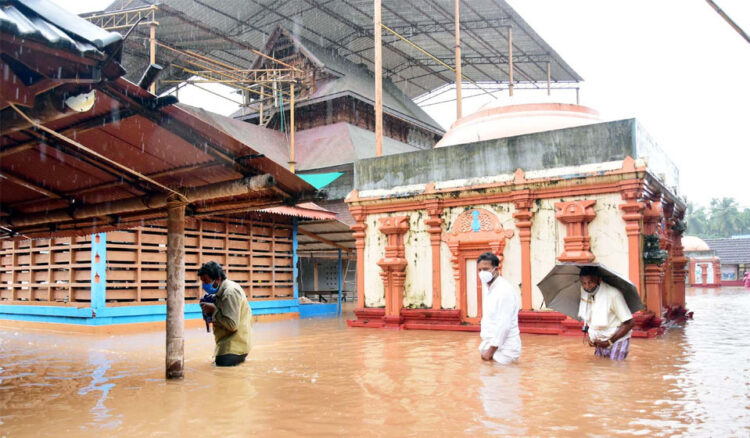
(256, 254)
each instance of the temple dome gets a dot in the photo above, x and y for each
(507, 118)
(694, 244)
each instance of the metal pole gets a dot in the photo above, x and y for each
(378, 82)
(175, 289)
(578, 99)
(458, 62)
(510, 61)
(152, 51)
(549, 76)
(340, 283)
(292, 163)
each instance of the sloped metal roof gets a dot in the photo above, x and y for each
(229, 30)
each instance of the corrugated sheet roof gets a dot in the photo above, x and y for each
(229, 29)
(48, 23)
(731, 251)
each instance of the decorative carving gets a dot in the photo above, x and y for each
(393, 265)
(523, 215)
(576, 216)
(474, 232)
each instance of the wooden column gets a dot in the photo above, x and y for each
(631, 192)
(510, 61)
(378, 81)
(523, 215)
(458, 61)
(175, 290)
(359, 215)
(434, 224)
(292, 163)
(152, 53)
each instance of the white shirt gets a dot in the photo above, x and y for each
(500, 318)
(604, 312)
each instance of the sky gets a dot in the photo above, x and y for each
(675, 65)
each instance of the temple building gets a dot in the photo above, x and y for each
(536, 184)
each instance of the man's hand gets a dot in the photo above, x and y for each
(488, 353)
(601, 344)
(208, 308)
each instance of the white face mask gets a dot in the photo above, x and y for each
(485, 276)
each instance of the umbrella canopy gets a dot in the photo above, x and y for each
(561, 288)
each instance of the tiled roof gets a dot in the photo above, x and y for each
(731, 251)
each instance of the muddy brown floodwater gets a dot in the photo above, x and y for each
(320, 378)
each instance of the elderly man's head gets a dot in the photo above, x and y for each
(590, 278)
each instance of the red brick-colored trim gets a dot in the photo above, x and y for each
(576, 216)
(523, 216)
(474, 232)
(631, 192)
(434, 224)
(393, 266)
(359, 215)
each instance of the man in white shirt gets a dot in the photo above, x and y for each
(501, 340)
(606, 314)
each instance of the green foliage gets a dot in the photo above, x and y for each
(723, 218)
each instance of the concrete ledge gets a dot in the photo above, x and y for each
(318, 310)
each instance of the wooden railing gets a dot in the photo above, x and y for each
(256, 254)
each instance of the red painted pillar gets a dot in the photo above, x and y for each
(652, 216)
(359, 215)
(523, 215)
(631, 192)
(434, 224)
(393, 267)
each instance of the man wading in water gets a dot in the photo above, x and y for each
(230, 315)
(606, 314)
(501, 340)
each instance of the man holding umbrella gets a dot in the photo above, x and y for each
(605, 312)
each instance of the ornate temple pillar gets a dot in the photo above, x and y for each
(393, 267)
(665, 233)
(576, 216)
(359, 215)
(434, 224)
(654, 273)
(631, 192)
(523, 215)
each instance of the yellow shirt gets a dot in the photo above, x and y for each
(231, 320)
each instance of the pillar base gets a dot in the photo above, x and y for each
(678, 313)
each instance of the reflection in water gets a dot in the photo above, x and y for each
(319, 378)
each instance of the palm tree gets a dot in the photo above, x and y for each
(725, 217)
(696, 220)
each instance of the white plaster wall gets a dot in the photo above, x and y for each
(447, 282)
(418, 253)
(546, 244)
(375, 242)
(609, 242)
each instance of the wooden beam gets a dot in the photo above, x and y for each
(510, 61)
(292, 163)
(30, 185)
(322, 239)
(458, 61)
(378, 81)
(152, 53)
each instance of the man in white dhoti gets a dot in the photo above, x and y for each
(606, 314)
(501, 340)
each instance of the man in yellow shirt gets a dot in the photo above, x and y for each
(230, 315)
(606, 314)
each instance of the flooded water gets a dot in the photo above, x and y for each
(320, 378)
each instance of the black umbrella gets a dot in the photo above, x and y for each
(561, 288)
